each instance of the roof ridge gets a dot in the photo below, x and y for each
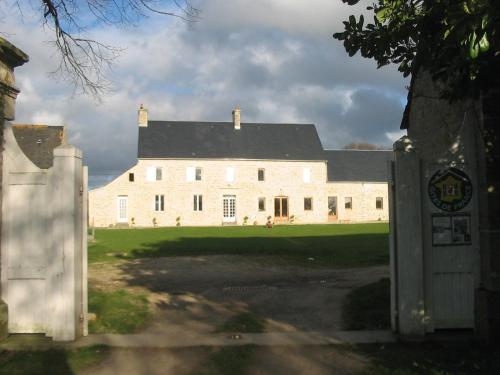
(353, 149)
(229, 122)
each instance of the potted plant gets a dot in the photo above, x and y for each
(269, 223)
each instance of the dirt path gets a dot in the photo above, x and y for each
(197, 294)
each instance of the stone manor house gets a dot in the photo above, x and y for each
(223, 173)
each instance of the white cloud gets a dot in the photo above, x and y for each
(47, 118)
(274, 58)
(394, 136)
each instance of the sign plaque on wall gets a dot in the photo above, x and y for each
(450, 189)
(451, 230)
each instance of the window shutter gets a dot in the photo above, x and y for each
(229, 174)
(306, 175)
(190, 173)
(150, 173)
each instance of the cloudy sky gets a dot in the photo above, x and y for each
(275, 58)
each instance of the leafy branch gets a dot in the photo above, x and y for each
(457, 41)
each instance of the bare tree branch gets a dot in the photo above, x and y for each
(85, 61)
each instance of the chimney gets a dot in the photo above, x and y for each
(142, 116)
(236, 118)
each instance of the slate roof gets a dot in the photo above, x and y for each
(206, 140)
(356, 165)
(38, 142)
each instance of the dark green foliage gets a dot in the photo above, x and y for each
(457, 41)
(368, 307)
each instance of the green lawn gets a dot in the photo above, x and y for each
(341, 245)
(118, 311)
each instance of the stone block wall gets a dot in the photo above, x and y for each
(282, 178)
(364, 195)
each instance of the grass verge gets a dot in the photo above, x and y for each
(53, 361)
(431, 358)
(229, 360)
(117, 311)
(368, 307)
(340, 245)
(246, 322)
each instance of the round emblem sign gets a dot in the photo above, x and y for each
(450, 189)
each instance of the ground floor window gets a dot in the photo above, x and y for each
(379, 203)
(308, 204)
(348, 203)
(198, 202)
(332, 206)
(159, 203)
(262, 204)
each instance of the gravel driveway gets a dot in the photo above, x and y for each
(197, 294)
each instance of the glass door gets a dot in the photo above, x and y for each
(280, 209)
(229, 209)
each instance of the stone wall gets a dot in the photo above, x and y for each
(364, 195)
(282, 178)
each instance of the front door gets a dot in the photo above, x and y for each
(229, 209)
(332, 209)
(122, 210)
(280, 209)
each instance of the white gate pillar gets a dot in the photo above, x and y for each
(66, 292)
(407, 255)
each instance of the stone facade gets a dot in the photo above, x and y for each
(282, 178)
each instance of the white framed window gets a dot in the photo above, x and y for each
(190, 173)
(348, 203)
(229, 174)
(150, 173)
(198, 202)
(193, 174)
(306, 175)
(262, 204)
(379, 203)
(308, 204)
(159, 203)
(153, 174)
(261, 174)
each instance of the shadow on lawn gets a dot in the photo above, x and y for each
(333, 251)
